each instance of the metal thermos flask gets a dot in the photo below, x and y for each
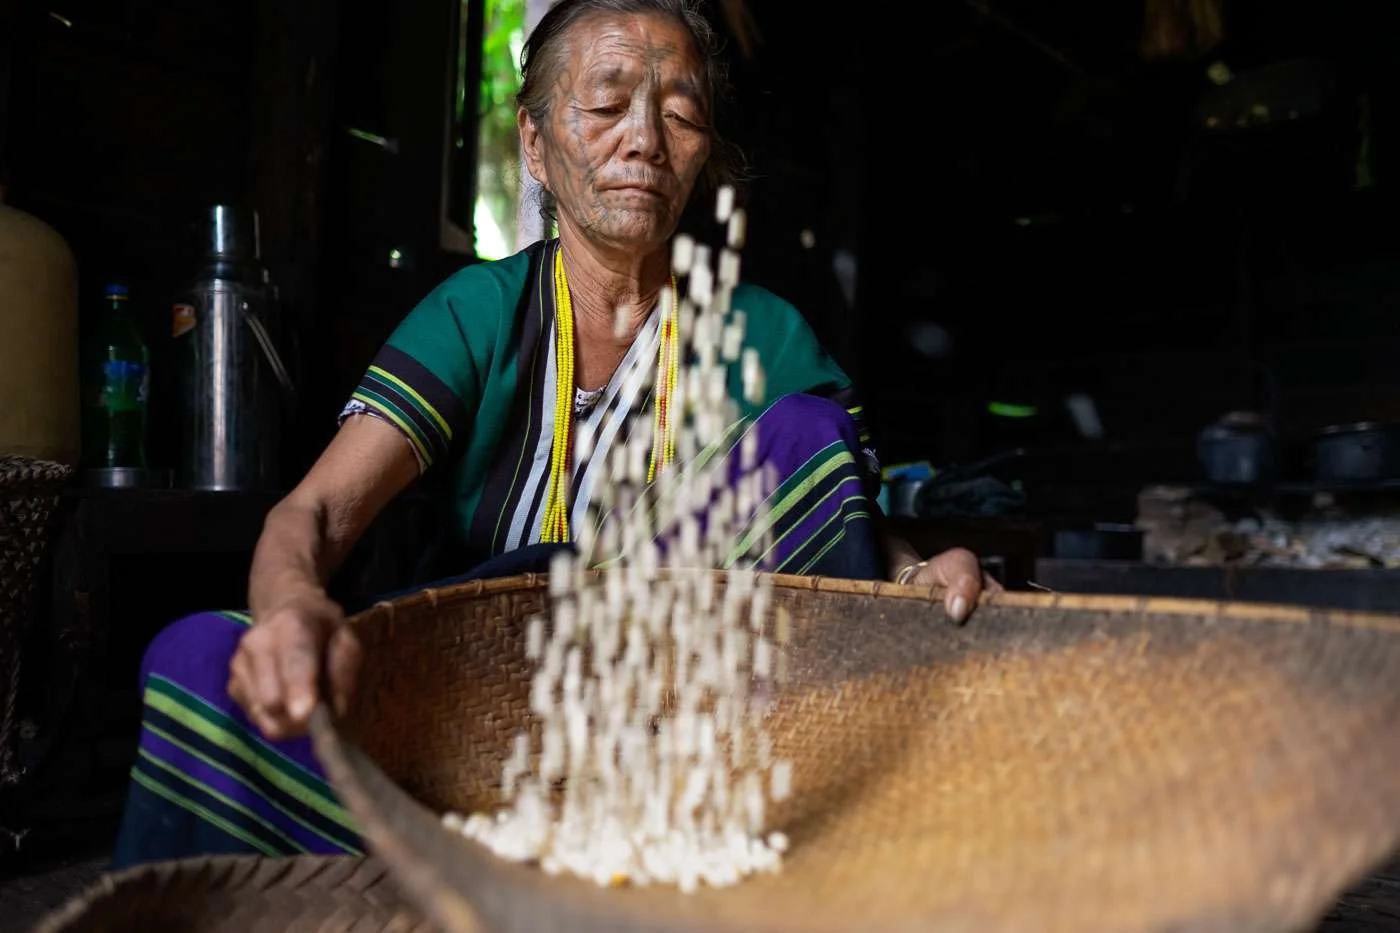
(231, 380)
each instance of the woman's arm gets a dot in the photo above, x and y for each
(305, 538)
(308, 534)
(901, 556)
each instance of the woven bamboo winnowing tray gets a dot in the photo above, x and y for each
(1060, 763)
(241, 894)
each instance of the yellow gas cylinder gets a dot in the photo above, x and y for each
(39, 400)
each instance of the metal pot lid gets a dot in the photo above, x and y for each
(1355, 427)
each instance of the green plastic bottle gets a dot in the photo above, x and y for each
(117, 379)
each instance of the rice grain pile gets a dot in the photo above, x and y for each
(651, 763)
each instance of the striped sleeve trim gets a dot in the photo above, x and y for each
(357, 407)
(401, 391)
(858, 416)
(847, 398)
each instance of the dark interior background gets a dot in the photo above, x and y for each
(1019, 176)
(973, 201)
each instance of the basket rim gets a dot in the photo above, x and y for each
(197, 873)
(1098, 603)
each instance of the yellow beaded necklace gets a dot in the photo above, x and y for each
(663, 447)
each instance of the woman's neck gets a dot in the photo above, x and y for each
(612, 296)
(613, 291)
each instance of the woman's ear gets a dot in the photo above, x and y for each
(530, 146)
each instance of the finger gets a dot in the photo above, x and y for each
(239, 677)
(962, 596)
(264, 683)
(991, 584)
(960, 591)
(299, 663)
(241, 691)
(342, 667)
(272, 726)
(959, 570)
(955, 565)
(251, 710)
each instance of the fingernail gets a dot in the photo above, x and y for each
(300, 707)
(958, 608)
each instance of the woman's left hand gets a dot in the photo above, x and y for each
(959, 570)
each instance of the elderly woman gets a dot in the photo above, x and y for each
(490, 379)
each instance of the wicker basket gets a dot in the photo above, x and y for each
(1061, 763)
(242, 894)
(29, 491)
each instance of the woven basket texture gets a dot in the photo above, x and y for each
(1060, 763)
(242, 894)
(29, 493)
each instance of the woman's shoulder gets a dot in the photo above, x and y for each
(752, 297)
(768, 316)
(476, 303)
(480, 282)
(793, 359)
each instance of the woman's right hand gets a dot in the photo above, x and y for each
(276, 671)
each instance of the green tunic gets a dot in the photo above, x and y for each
(469, 378)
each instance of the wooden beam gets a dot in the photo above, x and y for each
(290, 101)
(290, 106)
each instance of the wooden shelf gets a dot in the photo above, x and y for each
(1359, 590)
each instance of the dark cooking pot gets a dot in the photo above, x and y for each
(1364, 452)
(1237, 450)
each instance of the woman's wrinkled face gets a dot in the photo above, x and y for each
(627, 134)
